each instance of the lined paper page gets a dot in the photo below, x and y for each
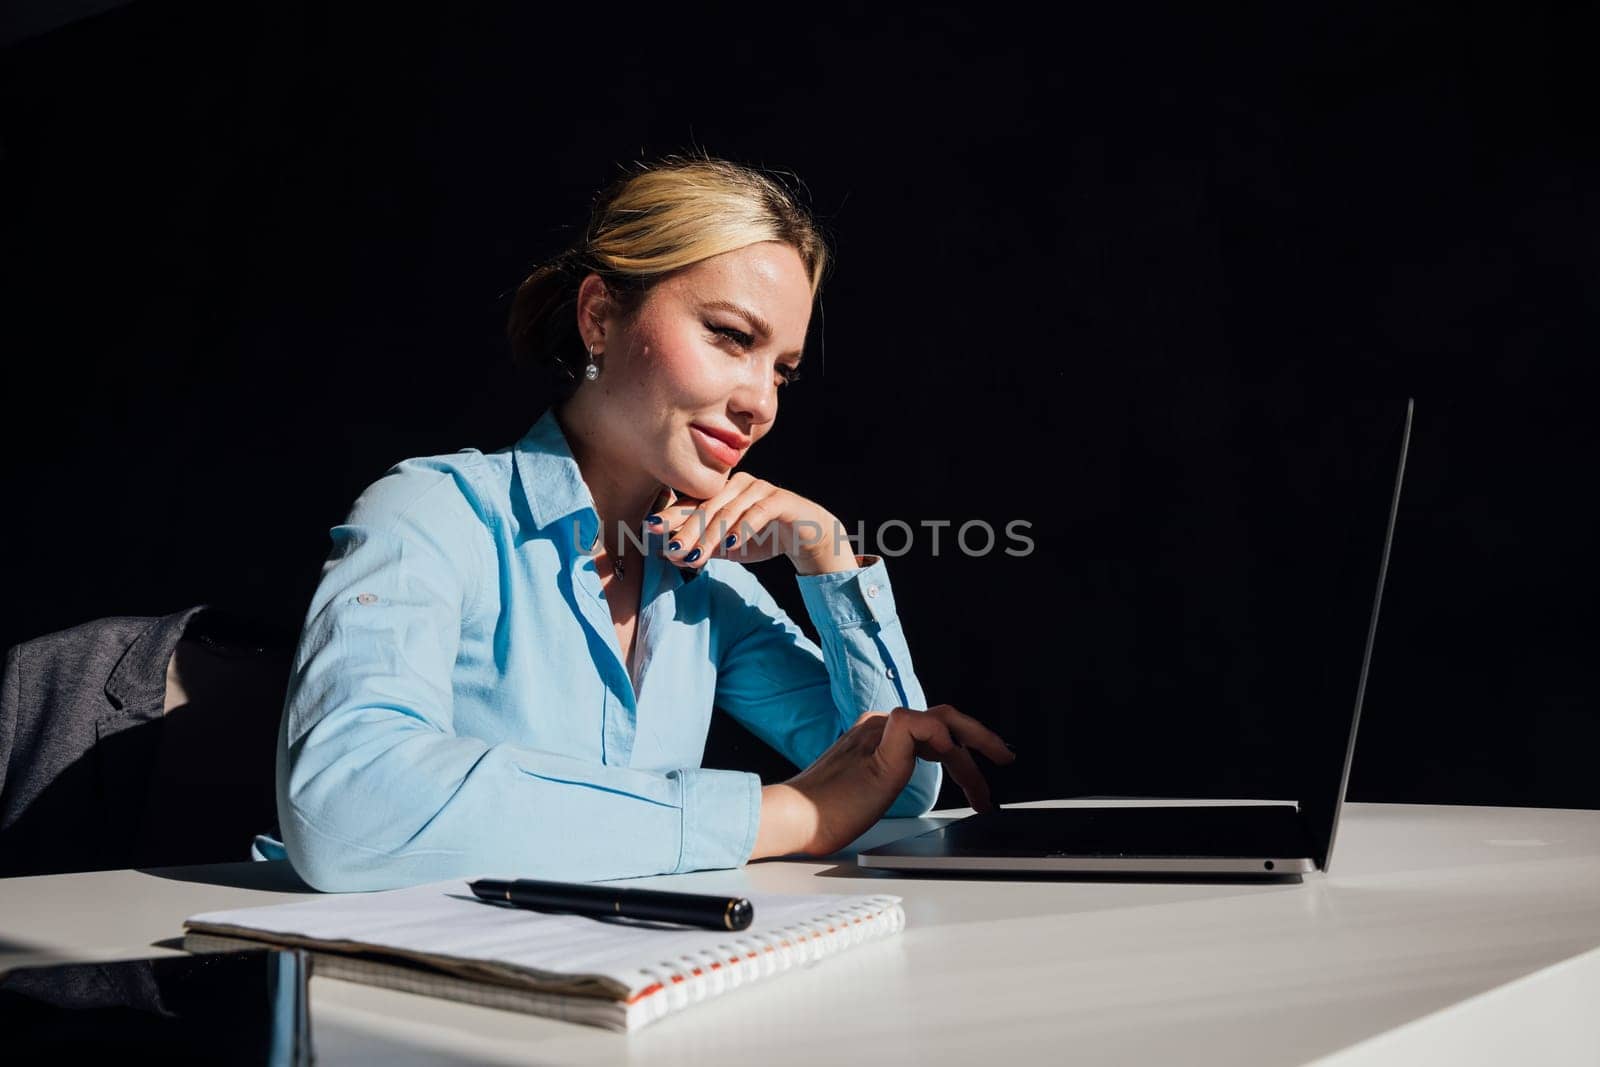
(445, 922)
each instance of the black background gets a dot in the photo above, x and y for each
(1152, 281)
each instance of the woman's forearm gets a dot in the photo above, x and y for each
(788, 822)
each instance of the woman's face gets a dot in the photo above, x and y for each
(691, 381)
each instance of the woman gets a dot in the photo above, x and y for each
(496, 676)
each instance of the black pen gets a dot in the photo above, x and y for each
(602, 901)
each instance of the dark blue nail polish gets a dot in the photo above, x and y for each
(654, 520)
(674, 546)
(729, 542)
(691, 557)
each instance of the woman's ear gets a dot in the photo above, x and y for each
(595, 306)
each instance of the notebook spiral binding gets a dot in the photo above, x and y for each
(748, 958)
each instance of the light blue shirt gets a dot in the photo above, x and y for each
(459, 703)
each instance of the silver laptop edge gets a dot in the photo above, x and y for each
(1094, 864)
(1372, 635)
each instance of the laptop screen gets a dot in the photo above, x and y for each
(1214, 584)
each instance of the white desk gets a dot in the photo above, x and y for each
(1443, 935)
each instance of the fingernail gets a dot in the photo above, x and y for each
(674, 546)
(731, 538)
(654, 520)
(691, 557)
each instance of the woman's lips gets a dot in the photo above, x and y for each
(714, 448)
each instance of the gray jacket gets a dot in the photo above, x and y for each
(94, 774)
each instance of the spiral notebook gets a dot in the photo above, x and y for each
(440, 940)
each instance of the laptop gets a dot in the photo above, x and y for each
(1242, 839)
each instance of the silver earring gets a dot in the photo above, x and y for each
(592, 371)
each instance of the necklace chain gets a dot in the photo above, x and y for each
(618, 567)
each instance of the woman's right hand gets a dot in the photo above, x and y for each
(849, 787)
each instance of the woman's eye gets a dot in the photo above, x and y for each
(743, 339)
(786, 375)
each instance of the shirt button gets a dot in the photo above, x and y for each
(890, 672)
(872, 591)
(367, 598)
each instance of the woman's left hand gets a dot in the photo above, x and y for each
(751, 520)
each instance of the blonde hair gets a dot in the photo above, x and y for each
(662, 217)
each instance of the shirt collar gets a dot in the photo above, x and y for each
(550, 478)
(555, 489)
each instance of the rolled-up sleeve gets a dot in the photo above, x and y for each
(799, 697)
(376, 789)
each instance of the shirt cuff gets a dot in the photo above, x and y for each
(721, 813)
(850, 598)
(267, 847)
